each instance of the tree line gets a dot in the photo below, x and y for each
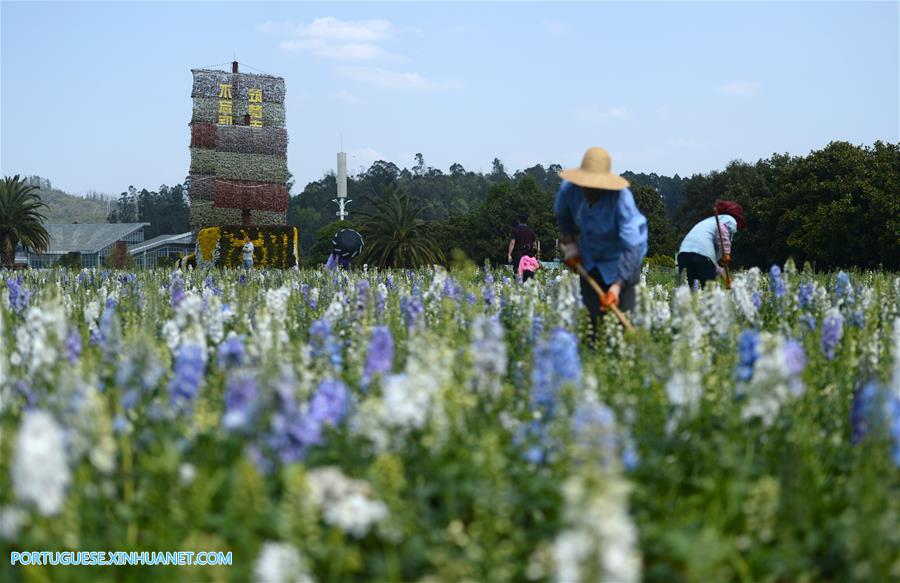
(835, 207)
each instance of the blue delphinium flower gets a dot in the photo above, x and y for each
(304, 291)
(594, 431)
(805, 294)
(556, 362)
(380, 359)
(533, 437)
(858, 318)
(471, 298)
(748, 352)
(73, 345)
(19, 295)
(488, 292)
(294, 432)
(240, 399)
(537, 328)
(809, 320)
(231, 352)
(777, 281)
(210, 284)
(323, 342)
(190, 366)
(832, 332)
(21, 388)
(867, 400)
(757, 299)
(242, 279)
(107, 336)
(894, 427)
(380, 301)
(843, 288)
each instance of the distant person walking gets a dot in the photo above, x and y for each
(247, 253)
(707, 246)
(597, 204)
(521, 242)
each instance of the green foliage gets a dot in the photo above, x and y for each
(322, 247)
(71, 260)
(21, 219)
(836, 207)
(168, 261)
(395, 235)
(661, 235)
(166, 210)
(119, 257)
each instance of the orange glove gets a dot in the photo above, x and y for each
(726, 259)
(572, 255)
(610, 298)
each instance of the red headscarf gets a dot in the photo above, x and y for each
(729, 207)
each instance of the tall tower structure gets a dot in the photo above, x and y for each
(238, 149)
(342, 200)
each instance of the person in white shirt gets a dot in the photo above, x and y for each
(247, 253)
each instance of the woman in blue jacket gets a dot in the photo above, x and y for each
(597, 205)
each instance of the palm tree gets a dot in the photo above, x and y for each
(395, 236)
(20, 219)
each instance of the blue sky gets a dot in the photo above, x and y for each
(96, 96)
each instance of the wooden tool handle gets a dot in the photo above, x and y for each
(599, 291)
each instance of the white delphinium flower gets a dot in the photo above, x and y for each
(742, 295)
(263, 335)
(186, 327)
(715, 308)
(685, 390)
(895, 349)
(11, 520)
(775, 380)
(37, 340)
(40, 472)
(489, 359)
(346, 503)
(276, 300)
(186, 474)
(600, 541)
(355, 514)
(280, 563)
(215, 321)
(334, 313)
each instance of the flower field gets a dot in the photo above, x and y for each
(451, 426)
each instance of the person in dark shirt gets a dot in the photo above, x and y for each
(521, 242)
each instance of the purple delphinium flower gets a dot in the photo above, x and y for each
(294, 432)
(380, 359)
(177, 289)
(748, 352)
(379, 302)
(362, 294)
(242, 279)
(777, 281)
(107, 336)
(231, 352)
(21, 388)
(832, 332)
(73, 345)
(794, 357)
(594, 430)
(240, 398)
(805, 294)
(19, 295)
(757, 299)
(304, 291)
(415, 311)
(556, 362)
(858, 318)
(471, 298)
(190, 366)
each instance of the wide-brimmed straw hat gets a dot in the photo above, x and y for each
(595, 172)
